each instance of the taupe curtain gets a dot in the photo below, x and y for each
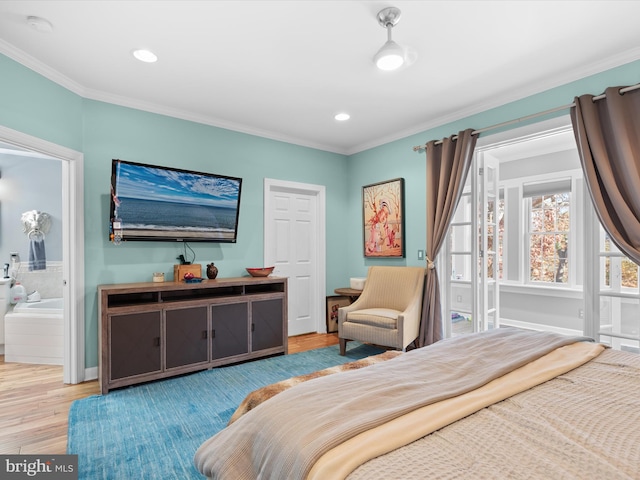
(607, 132)
(448, 164)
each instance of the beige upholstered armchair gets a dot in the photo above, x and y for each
(387, 312)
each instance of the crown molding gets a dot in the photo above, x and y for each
(204, 120)
(537, 87)
(37, 66)
(526, 91)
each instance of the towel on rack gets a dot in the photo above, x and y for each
(37, 256)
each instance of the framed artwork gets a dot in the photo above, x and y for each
(383, 218)
(333, 304)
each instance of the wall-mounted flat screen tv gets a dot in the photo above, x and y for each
(161, 203)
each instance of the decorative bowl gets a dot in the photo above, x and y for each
(260, 272)
(193, 280)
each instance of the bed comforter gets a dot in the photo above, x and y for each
(289, 435)
(580, 425)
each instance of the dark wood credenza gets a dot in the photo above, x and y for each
(150, 330)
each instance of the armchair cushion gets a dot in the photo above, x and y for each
(376, 317)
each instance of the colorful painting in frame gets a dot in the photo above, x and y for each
(383, 218)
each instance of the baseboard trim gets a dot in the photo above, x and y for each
(90, 373)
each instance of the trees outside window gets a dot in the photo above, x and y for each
(549, 230)
(500, 237)
(617, 265)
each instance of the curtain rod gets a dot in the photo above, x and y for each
(529, 117)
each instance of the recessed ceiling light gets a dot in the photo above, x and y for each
(145, 56)
(39, 24)
(341, 117)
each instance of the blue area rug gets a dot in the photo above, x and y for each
(152, 431)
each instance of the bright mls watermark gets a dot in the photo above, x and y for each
(51, 467)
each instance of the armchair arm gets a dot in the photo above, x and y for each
(409, 320)
(343, 311)
(362, 302)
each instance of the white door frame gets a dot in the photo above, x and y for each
(485, 143)
(273, 185)
(72, 246)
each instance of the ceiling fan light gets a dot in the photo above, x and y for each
(146, 56)
(389, 57)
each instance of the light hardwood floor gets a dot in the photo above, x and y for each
(34, 403)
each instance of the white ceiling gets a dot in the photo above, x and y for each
(282, 69)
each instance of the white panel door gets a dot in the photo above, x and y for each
(292, 248)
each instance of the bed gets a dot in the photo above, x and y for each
(507, 403)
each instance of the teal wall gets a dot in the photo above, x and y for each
(397, 159)
(36, 106)
(116, 132)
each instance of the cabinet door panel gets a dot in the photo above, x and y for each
(186, 336)
(135, 344)
(230, 330)
(266, 319)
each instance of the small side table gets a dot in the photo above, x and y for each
(352, 293)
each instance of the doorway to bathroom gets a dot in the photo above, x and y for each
(70, 274)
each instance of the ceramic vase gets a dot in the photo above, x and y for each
(212, 271)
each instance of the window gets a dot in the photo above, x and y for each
(619, 273)
(619, 305)
(460, 239)
(549, 231)
(501, 208)
(499, 226)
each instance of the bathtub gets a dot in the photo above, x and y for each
(46, 305)
(34, 332)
